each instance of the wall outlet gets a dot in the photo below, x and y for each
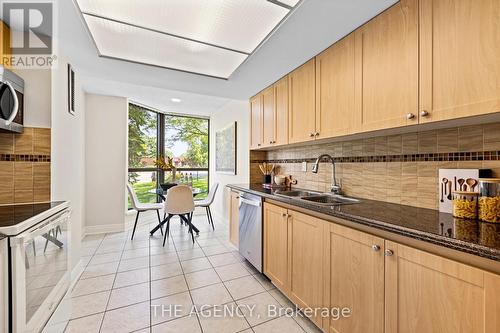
(304, 166)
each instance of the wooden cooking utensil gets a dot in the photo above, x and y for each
(472, 183)
(445, 183)
(449, 190)
(442, 192)
(461, 182)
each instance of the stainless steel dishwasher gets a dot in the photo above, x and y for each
(250, 229)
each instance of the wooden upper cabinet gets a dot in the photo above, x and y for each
(281, 120)
(256, 115)
(276, 245)
(428, 293)
(387, 69)
(354, 276)
(305, 234)
(302, 88)
(335, 89)
(269, 117)
(459, 58)
(5, 49)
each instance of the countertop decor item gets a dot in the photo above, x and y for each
(226, 149)
(489, 201)
(280, 180)
(167, 164)
(465, 204)
(267, 170)
(457, 180)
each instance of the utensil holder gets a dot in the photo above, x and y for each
(267, 179)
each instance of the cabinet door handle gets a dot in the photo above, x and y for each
(424, 113)
(316, 134)
(258, 145)
(389, 253)
(311, 135)
(410, 116)
(284, 215)
(375, 248)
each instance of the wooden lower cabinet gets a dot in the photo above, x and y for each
(305, 259)
(234, 218)
(389, 287)
(276, 245)
(429, 293)
(354, 278)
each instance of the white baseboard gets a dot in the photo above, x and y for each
(104, 229)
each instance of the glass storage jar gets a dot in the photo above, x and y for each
(465, 204)
(489, 200)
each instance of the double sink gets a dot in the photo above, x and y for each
(318, 198)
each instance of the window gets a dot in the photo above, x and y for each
(142, 151)
(186, 140)
(153, 134)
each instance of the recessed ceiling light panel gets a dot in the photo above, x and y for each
(175, 100)
(121, 41)
(210, 37)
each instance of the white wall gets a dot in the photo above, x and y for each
(238, 111)
(68, 151)
(106, 126)
(37, 97)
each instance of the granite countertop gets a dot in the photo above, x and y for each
(478, 238)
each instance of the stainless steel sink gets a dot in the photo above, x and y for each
(318, 198)
(297, 193)
(330, 200)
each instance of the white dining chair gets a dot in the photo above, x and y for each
(205, 203)
(179, 201)
(142, 207)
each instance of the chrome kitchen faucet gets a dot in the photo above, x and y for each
(336, 188)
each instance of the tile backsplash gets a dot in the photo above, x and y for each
(25, 166)
(399, 168)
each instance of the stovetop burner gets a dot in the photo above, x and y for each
(11, 215)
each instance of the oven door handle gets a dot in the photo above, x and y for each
(15, 108)
(42, 229)
(250, 202)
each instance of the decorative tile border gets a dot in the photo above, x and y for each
(24, 158)
(431, 157)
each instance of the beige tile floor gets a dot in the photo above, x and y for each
(124, 281)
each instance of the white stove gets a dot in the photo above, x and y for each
(34, 249)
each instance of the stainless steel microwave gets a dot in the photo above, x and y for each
(11, 101)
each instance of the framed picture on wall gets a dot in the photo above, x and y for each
(225, 150)
(71, 90)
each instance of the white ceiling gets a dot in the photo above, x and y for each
(157, 98)
(311, 28)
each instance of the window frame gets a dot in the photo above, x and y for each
(160, 145)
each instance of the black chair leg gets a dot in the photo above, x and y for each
(187, 220)
(190, 218)
(211, 218)
(159, 221)
(167, 230)
(135, 225)
(208, 215)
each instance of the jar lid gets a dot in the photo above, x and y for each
(466, 193)
(489, 180)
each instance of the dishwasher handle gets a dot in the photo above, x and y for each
(250, 202)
